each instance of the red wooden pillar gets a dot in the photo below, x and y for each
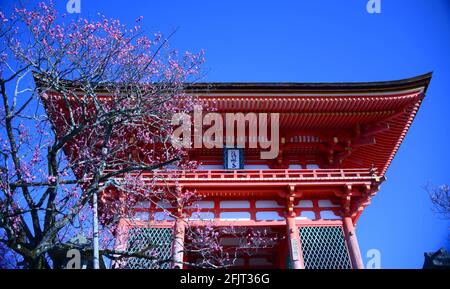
(178, 244)
(352, 244)
(293, 240)
(120, 244)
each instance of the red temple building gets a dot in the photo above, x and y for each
(337, 141)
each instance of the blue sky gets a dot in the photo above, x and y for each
(324, 41)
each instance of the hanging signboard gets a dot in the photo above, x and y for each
(233, 158)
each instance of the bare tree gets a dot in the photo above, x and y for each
(109, 93)
(440, 198)
(86, 109)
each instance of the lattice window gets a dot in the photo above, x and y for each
(158, 241)
(324, 248)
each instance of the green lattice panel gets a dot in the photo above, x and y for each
(158, 241)
(324, 248)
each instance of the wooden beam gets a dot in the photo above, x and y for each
(372, 129)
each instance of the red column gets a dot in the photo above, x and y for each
(178, 244)
(121, 243)
(295, 252)
(352, 244)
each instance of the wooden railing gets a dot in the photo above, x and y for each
(259, 175)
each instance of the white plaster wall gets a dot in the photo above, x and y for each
(304, 204)
(329, 215)
(202, 216)
(202, 205)
(268, 216)
(235, 216)
(306, 215)
(141, 216)
(267, 204)
(162, 216)
(326, 203)
(235, 204)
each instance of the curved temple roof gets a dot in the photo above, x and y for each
(349, 125)
(354, 125)
(289, 87)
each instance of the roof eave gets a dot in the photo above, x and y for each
(300, 87)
